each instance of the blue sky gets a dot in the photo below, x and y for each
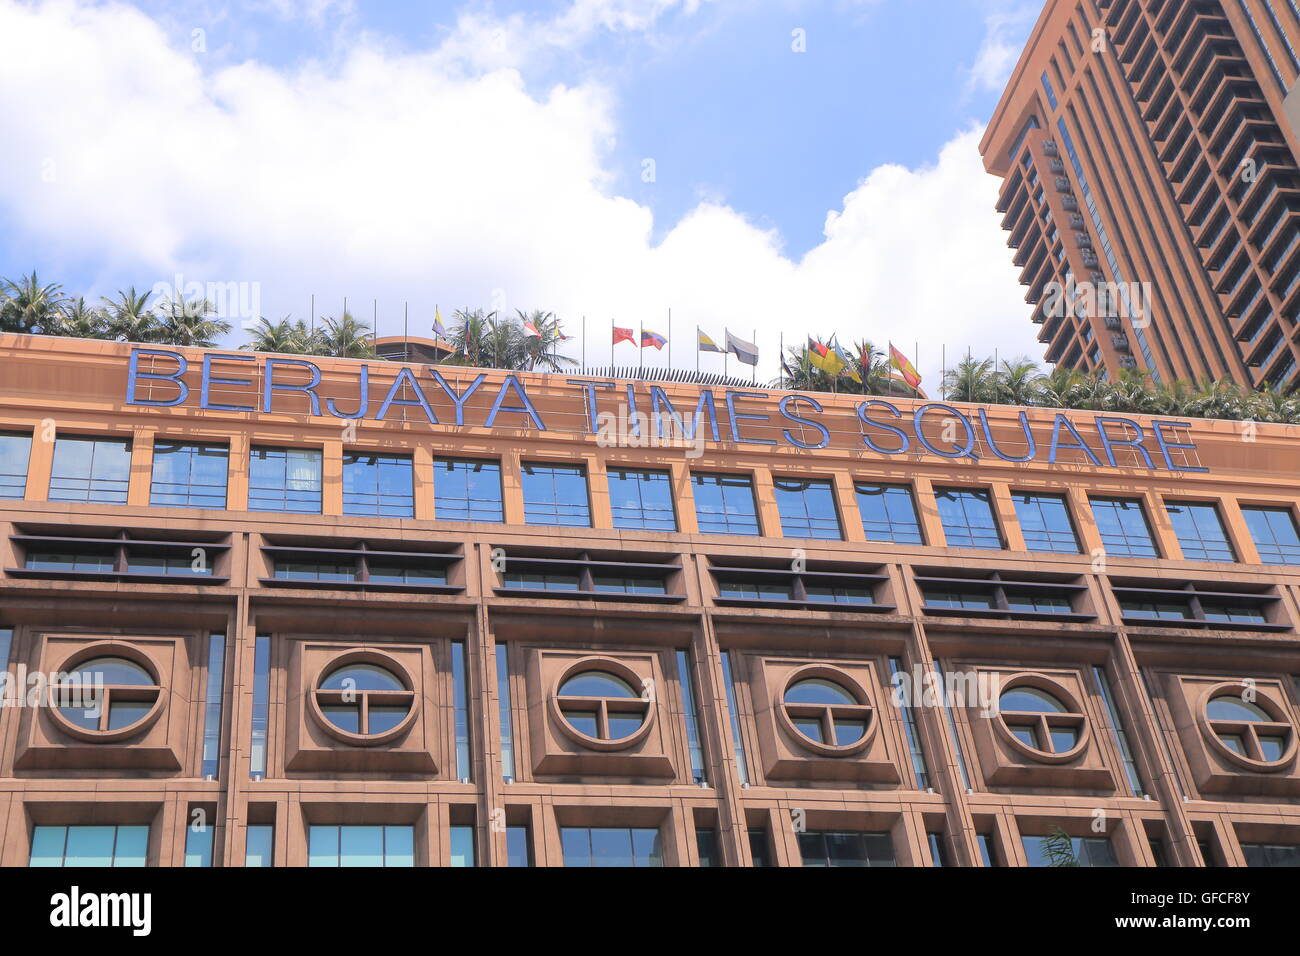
(753, 145)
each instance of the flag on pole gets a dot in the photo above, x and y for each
(649, 338)
(824, 357)
(706, 344)
(439, 329)
(905, 368)
(849, 368)
(622, 335)
(746, 352)
(530, 330)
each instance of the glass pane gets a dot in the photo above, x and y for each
(124, 713)
(382, 718)
(462, 846)
(346, 717)
(807, 508)
(323, 846)
(361, 677)
(399, 846)
(576, 845)
(623, 725)
(818, 692)
(14, 453)
(1045, 523)
(260, 845)
(132, 846)
(1064, 739)
(198, 846)
(467, 490)
(47, 846)
(517, 847)
(1272, 748)
(1234, 708)
(114, 670)
(889, 513)
(611, 847)
(967, 517)
(641, 500)
(584, 722)
(361, 846)
(596, 684)
(1030, 700)
(90, 846)
(555, 495)
(810, 727)
(90, 469)
(849, 731)
(724, 504)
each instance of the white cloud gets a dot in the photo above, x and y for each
(1006, 27)
(398, 177)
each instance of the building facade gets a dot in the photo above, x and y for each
(262, 610)
(1149, 154)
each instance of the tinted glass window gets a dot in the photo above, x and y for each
(467, 490)
(259, 849)
(285, 479)
(14, 453)
(1274, 531)
(189, 475)
(641, 500)
(361, 846)
(967, 517)
(724, 504)
(1200, 531)
(888, 513)
(378, 486)
(1060, 850)
(1122, 524)
(834, 848)
(1270, 854)
(90, 469)
(1045, 523)
(89, 846)
(556, 495)
(611, 846)
(807, 508)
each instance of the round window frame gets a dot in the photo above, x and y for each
(376, 659)
(1235, 688)
(846, 682)
(1047, 685)
(89, 653)
(617, 669)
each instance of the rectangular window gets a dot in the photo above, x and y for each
(1269, 854)
(460, 692)
(1117, 726)
(834, 848)
(1045, 523)
(988, 855)
(807, 508)
(737, 739)
(15, 450)
(361, 846)
(1124, 529)
(503, 702)
(888, 513)
(90, 846)
(259, 845)
(690, 717)
(198, 844)
(556, 495)
(518, 847)
(212, 705)
(545, 582)
(6, 644)
(909, 724)
(1200, 532)
(462, 846)
(937, 855)
(90, 469)
(285, 479)
(1062, 850)
(759, 847)
(261, 704)
(967, 516)
(706, 842)
(189, 475)
(1275, 534)
(611, 846)
(641, 499)
(467, 490)
(724, 504)
(379, 486)
(623, 585)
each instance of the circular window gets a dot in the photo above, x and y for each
(826, 711)
(364, 702)
(106, 698)
(599, 706)
(1039, 723)
(1248, 732)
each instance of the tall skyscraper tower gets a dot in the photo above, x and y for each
(1151, 189)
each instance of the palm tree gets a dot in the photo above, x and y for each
(973, 380)
(1019, 382)
(869, 363)
(286, 337)
(345, 337)
(543, 349)
(1060, 387)
(187, 323)
(1058, 847)
(469, 334)
(130, 319)
(80, 321)
(28, 306)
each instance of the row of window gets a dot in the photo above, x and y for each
(354, 845)
(377, 485)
